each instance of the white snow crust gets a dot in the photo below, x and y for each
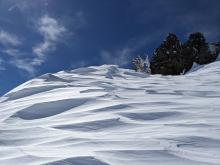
(107, 115)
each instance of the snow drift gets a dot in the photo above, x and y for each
(108, 115)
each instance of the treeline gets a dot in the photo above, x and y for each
(174, 58)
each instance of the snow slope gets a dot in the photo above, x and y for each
(108, 115)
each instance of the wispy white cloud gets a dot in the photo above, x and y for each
(119, 57)
(21, 5)
(124, 54)
(24, 5)
(8, 39)
(20, 60)
(52, 33)
(12, 52)
(51, 30)
(24, 64)
(1, 64)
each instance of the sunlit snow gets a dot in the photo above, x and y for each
(108, 115)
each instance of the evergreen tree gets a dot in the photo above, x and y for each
(141, 65)
(203, 54)
(167, 58)
(174, 58)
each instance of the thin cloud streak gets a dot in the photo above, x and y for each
(8, 39)
(1, 64)
(52, 33)
(119, 57)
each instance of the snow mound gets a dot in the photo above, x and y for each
(104, 115)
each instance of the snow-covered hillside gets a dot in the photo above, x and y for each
(108, 115)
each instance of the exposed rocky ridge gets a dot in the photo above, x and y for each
(174, 58)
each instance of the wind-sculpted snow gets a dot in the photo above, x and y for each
(111, 116)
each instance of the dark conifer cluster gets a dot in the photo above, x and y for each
(174, 58)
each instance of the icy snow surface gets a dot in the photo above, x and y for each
(108, 115)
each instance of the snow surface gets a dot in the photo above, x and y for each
(108, 115)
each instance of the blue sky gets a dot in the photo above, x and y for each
(41, 36)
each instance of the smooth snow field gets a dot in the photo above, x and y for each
(106, 115)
